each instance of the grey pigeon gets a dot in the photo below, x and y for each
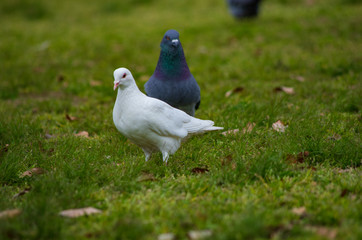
(172, 81)
(243, 8)
(150, 123)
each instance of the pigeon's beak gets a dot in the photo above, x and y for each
(115, 85)
(175, 42)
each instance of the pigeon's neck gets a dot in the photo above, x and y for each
(125, 96)
(172, 66)
(125, 92)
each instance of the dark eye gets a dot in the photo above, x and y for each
(168, 38)
(124, 75)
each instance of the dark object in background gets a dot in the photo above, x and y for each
(244, 8)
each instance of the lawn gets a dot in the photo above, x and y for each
(299, 63)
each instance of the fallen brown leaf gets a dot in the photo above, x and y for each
(298, 78)
(74, 213)
(95, 83)
(335, 137)
(230, 132)
(48, 136)
(302, 156)
(33, 171)
(299, 158)
(279, 126)
(228, 160)
(301, 211)
(249, 127)
(329, 233)
(37, 171)
(27, 173)
(344, 170)
(199, 170)
(200, 234)
(26, 190)
(82, 134)
(291, 158)
(5, 148)
(146, 177)
(235, 90)
(287, 90)
(70, 118)
(10, 213)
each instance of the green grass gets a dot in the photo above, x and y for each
(51, 52)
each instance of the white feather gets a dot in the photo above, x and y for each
(150, 123)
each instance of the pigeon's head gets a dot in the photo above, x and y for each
(122, 77)
(170, 41)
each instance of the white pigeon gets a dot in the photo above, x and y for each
(150, 123)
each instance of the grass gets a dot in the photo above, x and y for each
(58, 59)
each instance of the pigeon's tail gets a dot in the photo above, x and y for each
(213, 128)
(198, 126)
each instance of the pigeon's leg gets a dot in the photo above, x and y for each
(147, 154)
(165, 157)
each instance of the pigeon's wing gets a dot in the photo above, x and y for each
(166, 120)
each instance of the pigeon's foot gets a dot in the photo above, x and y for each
(165, 157)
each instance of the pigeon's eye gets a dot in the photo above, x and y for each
(124, 75)
(168, 38)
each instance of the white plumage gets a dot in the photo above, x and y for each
(150, 123)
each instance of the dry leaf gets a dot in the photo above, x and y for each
(228, 160)
(95, 83)
(301, 156)
(33, 171)
(345, 170)
(279, 126)
(70, 118)
(301, 211)
(5, 148)
(74, 213)
(298, 78)
(10, 213)
(26, 190)
(37, 171)
(27, 173)
(166, 236)
(335, 137)
(194, 235)
(235, 90)
(48, 136)
(329, 233)
(287, 90)
(199, 170)
(146, 177)
(249, 127)
(229, 132)
(291, 158)
(82, 134)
